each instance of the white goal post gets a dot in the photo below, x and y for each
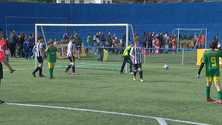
(39, 26)
(191, 31)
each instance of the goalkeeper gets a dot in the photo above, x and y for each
(127, 58)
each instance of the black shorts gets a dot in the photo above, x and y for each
(1, 71)
(40, 59)
(136, 66)
(72, 59)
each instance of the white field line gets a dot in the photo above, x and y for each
(106, 112)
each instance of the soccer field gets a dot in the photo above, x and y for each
(99, 95)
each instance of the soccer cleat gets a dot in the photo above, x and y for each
(67, 71)
(131, 73)
(41, 76)
(33, 74)
(50, 77)
(209, 100)
(122, 73)
(218, 101)
(1, 102)
(134, 79)
(141, 80)
(74, 73)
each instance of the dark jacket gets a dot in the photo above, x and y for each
(21, 41)
(144, 38)
(78, 42)
(12, 39)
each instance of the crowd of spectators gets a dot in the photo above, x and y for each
(151, 42)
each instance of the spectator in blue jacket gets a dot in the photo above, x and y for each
(27, 48)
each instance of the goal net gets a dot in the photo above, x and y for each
(112, 48)
(187, 38)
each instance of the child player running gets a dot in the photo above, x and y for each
(211, 60)
(51, 50)
(127, 58)
(3, 59)
(70, 55)
(137, 54)
(39, 52)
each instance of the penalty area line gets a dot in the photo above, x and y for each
(106, 112)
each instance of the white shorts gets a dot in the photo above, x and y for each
(7, 52)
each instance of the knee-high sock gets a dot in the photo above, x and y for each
(36, 69)
(208, 91)
(40, 71)
(141, 74)
(73, 68)
(68, 66)
(134, 73)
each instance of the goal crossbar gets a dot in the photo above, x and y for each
(83, 25)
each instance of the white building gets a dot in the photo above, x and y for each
(85, 1)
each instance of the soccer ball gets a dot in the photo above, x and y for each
(166, 67)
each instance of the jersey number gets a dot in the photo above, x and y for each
(213, 61)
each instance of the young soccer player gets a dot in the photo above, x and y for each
(127, 58)
(51, 50)
(39, 50)
(137, 53)
(3, 59)
(174, 41)
(5, 47)
(26, 48)
(70, 55)
(211, 60)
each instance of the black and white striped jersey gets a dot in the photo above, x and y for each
(137, 53)
(37, 47)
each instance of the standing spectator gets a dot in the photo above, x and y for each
(194, 39)
(5, 47)
(109, 40)
(166, 39)
(55, 42)
(66, 36)
(20, 44)
(13, 38)
(150, 39)
(153, 34)
(144, 40)
(75, 33)
(70, 55)
(137, 53)
(160, 37)
(184, 36)
(102, 39)
(174, 41)
(190, 37)
(26, 48)
(202, 40)
(115, 37)
(197, 45)
(95, 42)
(89, 41)
(78, 44)
(216, 37)
(40, 57)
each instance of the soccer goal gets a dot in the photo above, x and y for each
(189, 41)
(57, 31)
